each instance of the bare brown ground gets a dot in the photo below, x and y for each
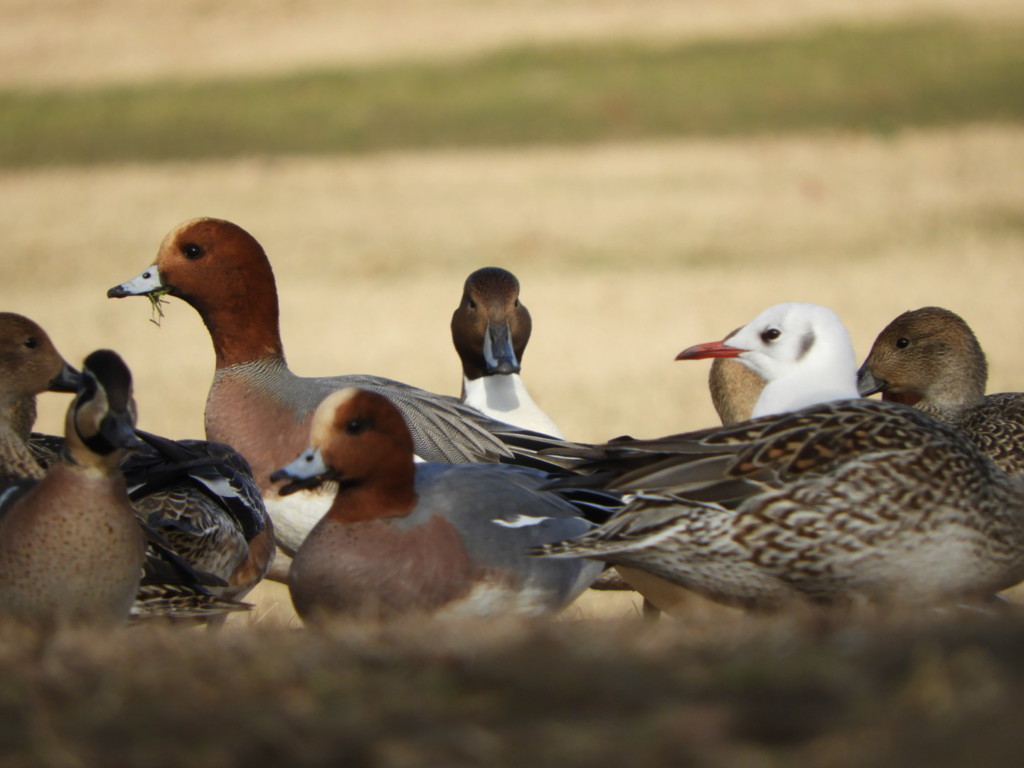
(89, 41)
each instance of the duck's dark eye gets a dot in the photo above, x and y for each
(471, 303)
(357, 426)
(770, 335)
(31, 342)
(192, 250)
(902, 342)
(517, 302)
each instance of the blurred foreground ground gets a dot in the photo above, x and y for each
(798, 690)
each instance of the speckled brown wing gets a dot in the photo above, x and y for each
(192, 527)
(685, 542)
(996, 426)
(848, 498)
(45, 448)
(172, 588)
(18, 459)
(728, 464)
(201, 498)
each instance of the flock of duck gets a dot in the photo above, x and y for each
(378, 498)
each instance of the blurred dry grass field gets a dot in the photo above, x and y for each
(626, 255)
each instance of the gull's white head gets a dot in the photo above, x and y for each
(802, 351)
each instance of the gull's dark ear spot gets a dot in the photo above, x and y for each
(806, 342)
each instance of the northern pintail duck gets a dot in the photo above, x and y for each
(801, 351)
(929, 358)
(734, 392)
(490, 330)
(838, 502)
(256, 404)
(71, 548)
(404, 537)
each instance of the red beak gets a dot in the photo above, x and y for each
(709, 349)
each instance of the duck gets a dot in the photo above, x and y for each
(29, 365)
(403, 537)
(258, 406)
(71, 549)
(734, 391)
(837, 503)
(199, 496)
(490, 330)
(929, 358)
(173, 590)
(801, 351)
(210, 541)
(202, 502)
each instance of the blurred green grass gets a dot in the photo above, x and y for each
(872, 78)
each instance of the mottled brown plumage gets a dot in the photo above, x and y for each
(929, 358)
(837, 503)
(200, 498)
